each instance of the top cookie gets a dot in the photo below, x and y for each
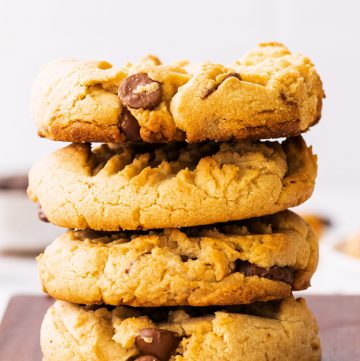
(268, 93)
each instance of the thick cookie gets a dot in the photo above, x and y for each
(231, 263)
(176, 185)
(269, 93)
(281, 330)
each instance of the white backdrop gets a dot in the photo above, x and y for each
(37, 31)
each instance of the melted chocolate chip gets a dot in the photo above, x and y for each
(129, 126)
(147, 358)
(283, 274)
(211, 90)
(157, 342)
(140, 91)
(41, 214)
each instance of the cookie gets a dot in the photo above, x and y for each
(232, 263)
(281, 330)
(268, 93)
(133, 187)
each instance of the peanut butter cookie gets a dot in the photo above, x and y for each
(268, 93)
(134, 187)
(230, 263)
(281, 330)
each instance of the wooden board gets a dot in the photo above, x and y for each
(19, 329)
(338, 318)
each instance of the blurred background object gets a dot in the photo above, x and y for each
(20, 228)
(35, 32)
(351, 246)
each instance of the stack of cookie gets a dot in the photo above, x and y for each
(180, 245)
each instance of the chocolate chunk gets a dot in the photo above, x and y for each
(129, 126)
(147, 358)
(157, 342)
(139, 91)
(274, 273)
(17, 182)
(41, 214)
(211, 90)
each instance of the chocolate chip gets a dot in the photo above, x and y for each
(139, 91)
(283, 274)
(129, 126)
(147, 358)
(41, 214)
(157, 342)
(211, 90)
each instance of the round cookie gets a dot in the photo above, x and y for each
(268, 93)
(282, 331)
(232, 263)
(133, 187)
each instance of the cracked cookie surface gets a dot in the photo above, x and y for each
(282, 330)
(268, 93)
(131, 187)
(198, 266)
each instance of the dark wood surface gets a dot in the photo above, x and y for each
(338, 318)
(19, 329)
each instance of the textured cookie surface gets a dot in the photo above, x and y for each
(232, 263)
(281, 331)
(268, 93)
(130, 187)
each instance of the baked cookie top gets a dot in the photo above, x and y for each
(268, 93)
(229, 263)
(282, 330)
(127, 186)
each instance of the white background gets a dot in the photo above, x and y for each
(37, 31)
